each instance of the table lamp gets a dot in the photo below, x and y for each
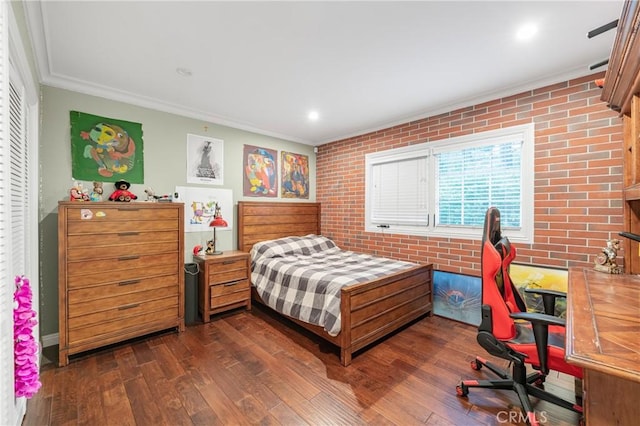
(217, 222)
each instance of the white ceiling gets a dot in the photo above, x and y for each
(262, 66)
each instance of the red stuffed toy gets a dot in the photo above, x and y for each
(122, 192)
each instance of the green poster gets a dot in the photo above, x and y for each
(105, 149)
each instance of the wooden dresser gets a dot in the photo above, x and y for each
(120, 272)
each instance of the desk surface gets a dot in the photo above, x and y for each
(603, 322)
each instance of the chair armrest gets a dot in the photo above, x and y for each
(537, 318)
(548, 298)
(540, 324)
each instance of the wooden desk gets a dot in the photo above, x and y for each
(603, 337)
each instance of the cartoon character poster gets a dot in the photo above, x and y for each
(295, 175)
(205, 157)
(200, 207)
(260, 172)
(105, 149)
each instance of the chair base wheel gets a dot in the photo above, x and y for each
(462, 390)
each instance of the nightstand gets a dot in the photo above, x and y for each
(223, 282)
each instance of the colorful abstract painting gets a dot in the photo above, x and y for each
(457, 296)
(294, 175)
(260, 172)
(531, 276)
(105, 149)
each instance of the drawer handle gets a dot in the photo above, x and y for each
(228, 262)
(128, 258)
(127, 234)
(230, 284)
(125, 307)
(129, 282)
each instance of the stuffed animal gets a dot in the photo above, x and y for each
(77, 193)
(122, 192)
(96, 194)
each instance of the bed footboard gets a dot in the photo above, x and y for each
(374, 309)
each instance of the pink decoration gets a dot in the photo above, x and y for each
(26, 371)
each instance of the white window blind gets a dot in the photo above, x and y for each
(472, 179)
(399, 193)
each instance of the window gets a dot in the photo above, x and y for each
(444, 188)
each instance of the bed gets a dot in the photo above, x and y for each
(368, 310)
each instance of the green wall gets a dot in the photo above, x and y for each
(165, 137)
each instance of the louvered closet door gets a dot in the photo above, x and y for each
(17, 215)
(7, 407)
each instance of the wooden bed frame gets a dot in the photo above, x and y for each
(369, 311)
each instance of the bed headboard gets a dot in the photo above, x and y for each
(260, 221)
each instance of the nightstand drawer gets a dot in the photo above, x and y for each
(226, 294)
(228, 271)
(223, 289)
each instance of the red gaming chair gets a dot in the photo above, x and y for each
(508, 331)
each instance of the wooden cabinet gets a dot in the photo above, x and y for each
(622, 92)
(223, 282)
(120, 272)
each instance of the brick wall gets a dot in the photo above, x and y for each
(578, 178)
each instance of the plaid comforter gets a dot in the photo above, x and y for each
(302, 276)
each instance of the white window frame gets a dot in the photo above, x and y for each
(522, 234)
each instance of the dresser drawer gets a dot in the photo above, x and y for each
(117, 237)
(121, 277)
(226, 294)
(121, 267)
(119, 288)
(98, 226)
(231, 270)
(90, 328)
(101, 252)
(117, 213)
(117, 306)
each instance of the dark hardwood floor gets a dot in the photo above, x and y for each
(252, 368)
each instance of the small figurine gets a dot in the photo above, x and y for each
(122, 192)
(211, 247)
(96, 194)
(606, 260)
(151, 195)
(76, 193)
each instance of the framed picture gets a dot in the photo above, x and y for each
(457, 296)
(205, 156)
(533, 276)
(294, 175)
(260, 177)
(106, 149)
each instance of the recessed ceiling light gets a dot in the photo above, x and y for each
(526, 32)
(313, 115)
(185, 72)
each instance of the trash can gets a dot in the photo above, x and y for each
(190, 293)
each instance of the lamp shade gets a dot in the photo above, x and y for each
(218, 222)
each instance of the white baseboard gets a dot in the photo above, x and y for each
(50, 340)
